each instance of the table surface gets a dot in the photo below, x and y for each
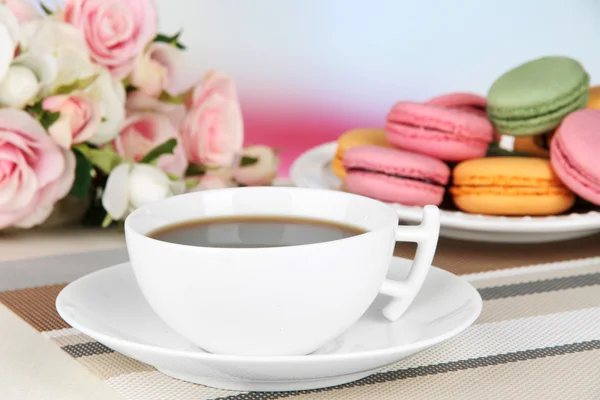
(31, 367)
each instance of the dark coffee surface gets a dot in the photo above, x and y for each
(254, 232)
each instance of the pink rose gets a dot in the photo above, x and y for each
(260, 173)
(34, 172)
(143, 133)
(116, 31)
(214, 83)
(23, 10)
(159, 69)
(138, 102)
(213, 132)
(80, 118)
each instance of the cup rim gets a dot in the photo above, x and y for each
(131, 230)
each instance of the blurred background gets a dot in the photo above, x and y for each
(309, 70)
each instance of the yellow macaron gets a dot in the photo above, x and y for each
(594, 100)
(510, 186)
(355, 138)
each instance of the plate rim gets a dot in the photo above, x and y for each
(456, 219)
(154, 349)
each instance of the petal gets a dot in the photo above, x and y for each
(42, 63)
(36, 217)
(110, 95)
(6, 51)
(11, 23)
(148, 184)
(115, 199)
(173, 59)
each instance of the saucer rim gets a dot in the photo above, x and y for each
(127, 344)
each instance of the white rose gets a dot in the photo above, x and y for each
(9, 38)
(110, 95)
(133, 186)
(50, 34)
(28, 74)
(66, 44)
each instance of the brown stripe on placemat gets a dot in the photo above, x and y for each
(409, 373)
(36, 306)
(461, 257)
(109, 365)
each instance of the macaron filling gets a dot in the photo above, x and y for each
(398, 176)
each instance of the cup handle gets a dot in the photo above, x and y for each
(426, 236)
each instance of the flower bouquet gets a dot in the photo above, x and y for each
(94, 106)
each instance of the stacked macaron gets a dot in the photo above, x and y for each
(539, 104)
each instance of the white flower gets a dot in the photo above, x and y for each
(28, 74)
(133, 186)
(65, 43)
(9, 39)
(52, 35)
(110, 95)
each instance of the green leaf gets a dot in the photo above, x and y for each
(79, 84)
(167, 147)
(35, 109)
(107, 221)
(172, 40)
(83, 176)
(248, 161)
(47, 119)
(130, 89)
(195, 170)
(104, 160)
(83, 149)
(167, 98)
(46, 9)
(191, 183)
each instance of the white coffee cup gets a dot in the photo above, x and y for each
(279, 300)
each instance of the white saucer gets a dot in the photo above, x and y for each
(313, 170)
(108, 306)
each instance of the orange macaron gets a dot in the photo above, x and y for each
(509, 186)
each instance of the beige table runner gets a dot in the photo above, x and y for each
(538, 336)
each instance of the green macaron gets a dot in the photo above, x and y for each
(535, 97)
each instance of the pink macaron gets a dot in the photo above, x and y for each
(396, 176)
(465, 101)
(445, 133)
(575, 154)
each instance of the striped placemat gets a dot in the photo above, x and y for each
(537, 338)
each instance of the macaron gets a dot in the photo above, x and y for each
(575, 154)
(509, 186)
(469, 102)
(354, 138)
(594, 100)
(445, 133)
(536, 146)
(536, 96)
(396, 176)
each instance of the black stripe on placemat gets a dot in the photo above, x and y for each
(86, 349)
(548, 285)
(434, 369)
